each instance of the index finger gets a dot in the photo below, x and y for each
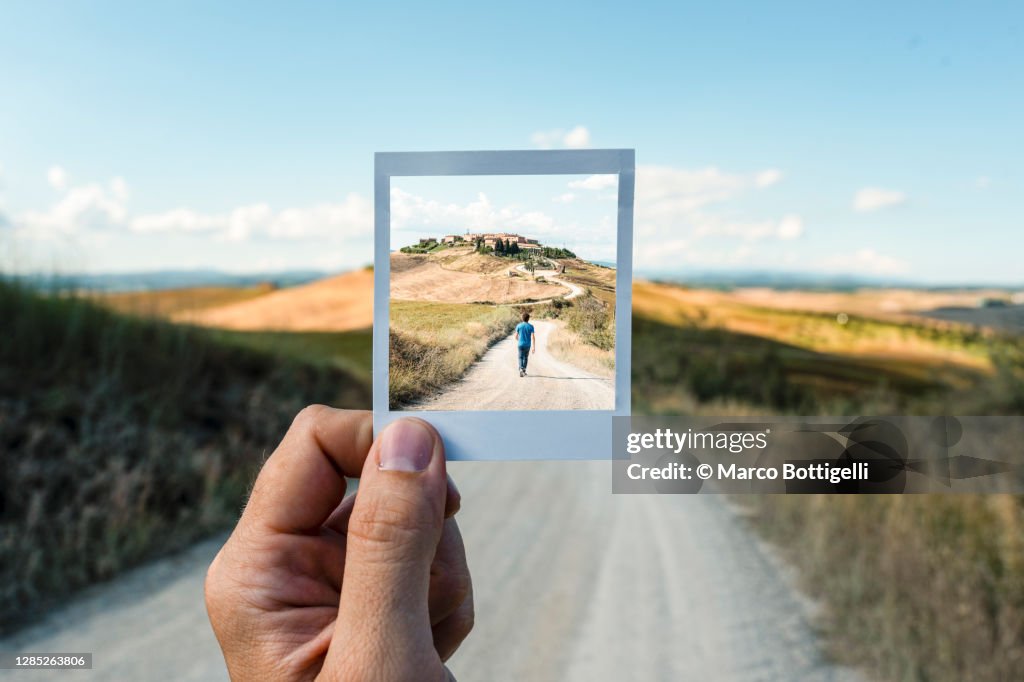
(303, 481)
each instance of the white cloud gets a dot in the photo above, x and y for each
(768, 177)
(413, 216)
(352, 217)
(577, 138)
(175, 220)
(865, 261)
(120, 188)
(790, 227)
(90, 227)
(666, 194)
(684, 207)
(410, 211)
(595, 182)
(57, 177)
(566, 198)
(91, 206)
(711, 225)
(982, 182)
(546, 139)
(875, 198)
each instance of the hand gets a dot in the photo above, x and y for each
(533, 351)
(372, 587)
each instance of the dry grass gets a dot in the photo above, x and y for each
(123, 439)
(433, 344)
(913, 587)
(569, 347)
(468, 278)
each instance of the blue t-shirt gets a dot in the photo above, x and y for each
(525, 331)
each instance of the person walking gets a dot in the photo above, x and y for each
(525, 340)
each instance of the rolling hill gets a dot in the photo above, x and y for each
(461, 276)
(339, 303)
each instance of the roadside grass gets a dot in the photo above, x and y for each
(433, 344)
(350, 351)
(913, 587)
(126, 438)
(569, 347)
(589, 319)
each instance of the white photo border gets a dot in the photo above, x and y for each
(499, 434)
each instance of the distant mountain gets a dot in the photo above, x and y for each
(774, 279)
(169, 279)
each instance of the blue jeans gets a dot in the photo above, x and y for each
(524, 355)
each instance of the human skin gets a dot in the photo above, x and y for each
(314, 585)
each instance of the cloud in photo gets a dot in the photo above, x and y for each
(595, 182)
(588, 230)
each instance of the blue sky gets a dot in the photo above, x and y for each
(858, 138)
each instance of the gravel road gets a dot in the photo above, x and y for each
(552, 276)
(571, 583)
(493, 383)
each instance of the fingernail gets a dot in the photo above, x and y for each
(406, 445)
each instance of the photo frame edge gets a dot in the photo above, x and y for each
(577, 435)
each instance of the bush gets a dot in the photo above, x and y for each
(594, 322)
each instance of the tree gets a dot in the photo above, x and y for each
(513, 248)
(499, 246)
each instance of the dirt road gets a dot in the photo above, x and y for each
(552, 276)
(571, 583)
(493, 383)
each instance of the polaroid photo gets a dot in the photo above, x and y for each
(502, 298)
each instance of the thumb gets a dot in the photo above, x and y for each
(383, 619)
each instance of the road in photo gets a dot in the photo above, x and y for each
(493, 382)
